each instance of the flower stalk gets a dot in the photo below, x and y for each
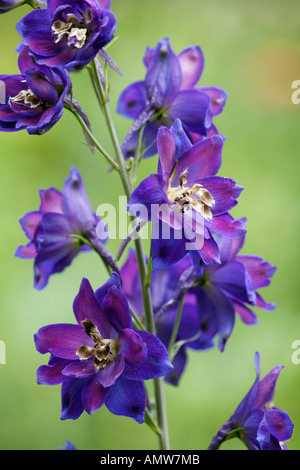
(149, 316)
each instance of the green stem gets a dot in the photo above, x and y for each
(93, 139)
(176, 325)
(149, 317)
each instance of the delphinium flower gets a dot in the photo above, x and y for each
(211, 301)
(186, 202)
(256, 421)
(34, 99)
(168, 92)
(67, 34)
(102, 359)
(59, 230)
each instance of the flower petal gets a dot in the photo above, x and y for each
(202, 160)
(259, 270)
(71, 402)
(86, 306)
(114, 302)
(93, 395)
(163, 77)
(193, 109)
(127, 398)
(61, 340)
(191, 61)
(155, 365)
(132, 100)
(217, 97)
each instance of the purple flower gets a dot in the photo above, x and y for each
(34, 100)
(169, 92)
(7, 5)
(101, 359)
(256, 421)
(68, 35)
(187, 203)
(210, 302)
(53, 228)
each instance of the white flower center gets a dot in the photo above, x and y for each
(183, 197)
(27, 97)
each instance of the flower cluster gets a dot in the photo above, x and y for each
(141, 323)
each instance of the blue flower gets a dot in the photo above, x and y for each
(68, 35)
(211, 302)
(256, 421)
(102, 359)
(53, 228)
(169, 92)
(186, 202)
(34, 100)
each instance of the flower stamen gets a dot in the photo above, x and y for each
(197, 197)
(104, 350)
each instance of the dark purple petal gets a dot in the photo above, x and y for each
(71, 402)
(127, 398)
(217, 97)
(182, 142)
(93, 395)
(225, 191)
(132, 347)
(266, 387)
(279, 423)
(77, 206)
(226, 225)
(80, 369)
(216, 313)
(54, 258)
(209, 252)
(251, 426)
(61, 340)
(132, 100)
(51, 374)
(179, 363)
(149, 192)
(41, 87)
(191, 61)
(166, 150)
(155, 365)
(131, 284)
(202, 160)
(114, 302)
(163, 78)
(232, 277)
(168, 251)
(110, 373)
(193, 109)
(86, 306)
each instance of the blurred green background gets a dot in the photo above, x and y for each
(252, 50)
